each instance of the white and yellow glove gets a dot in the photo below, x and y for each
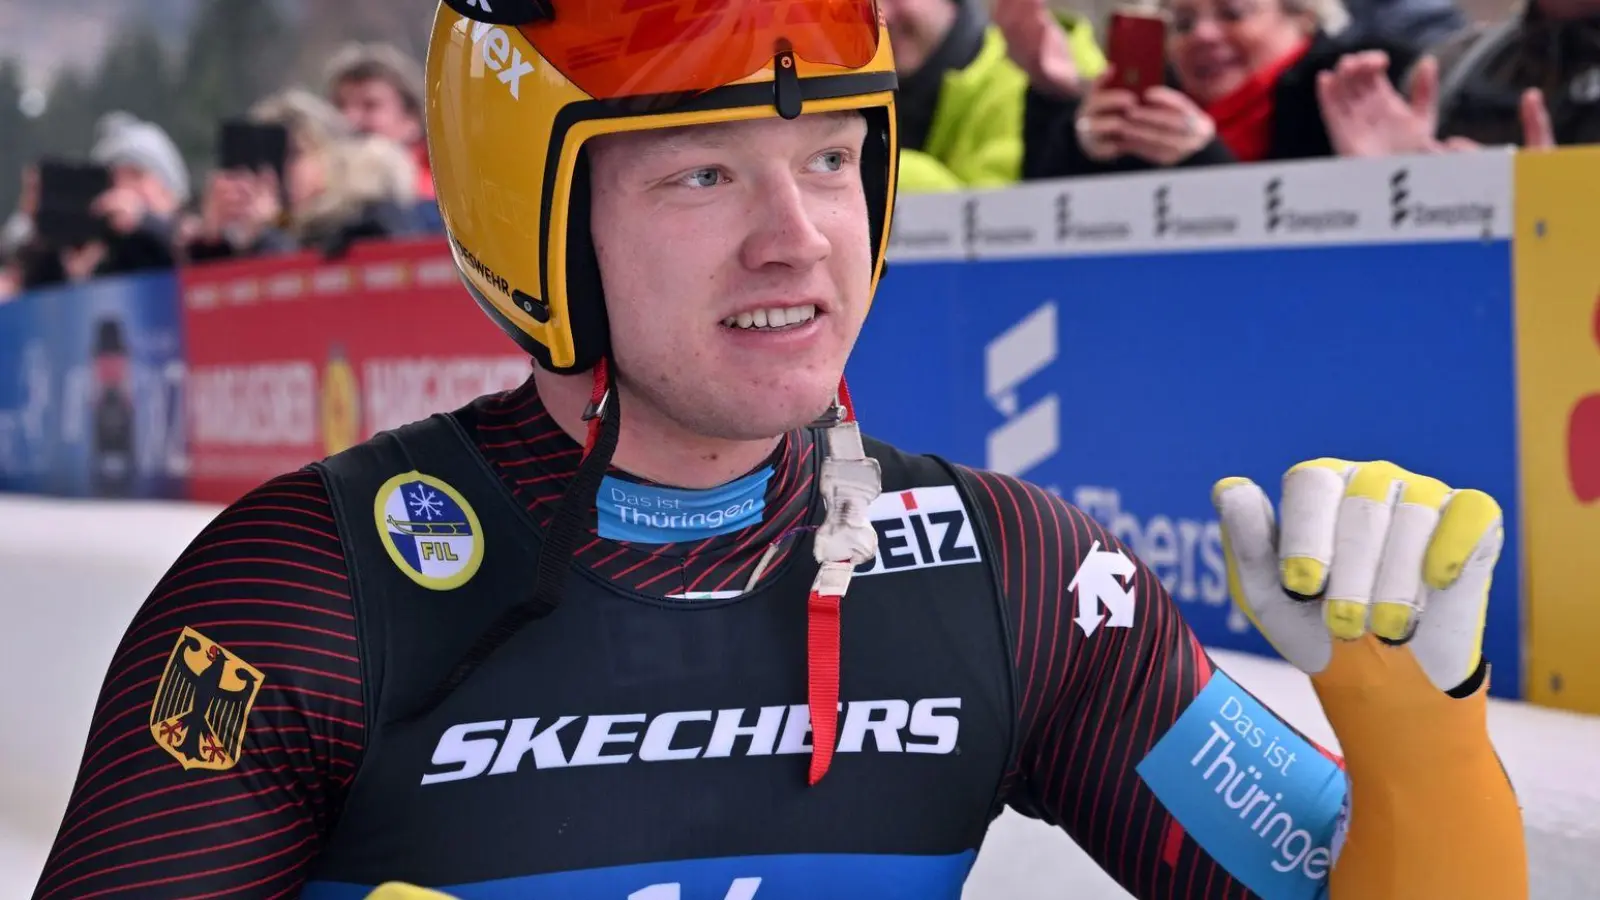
(1376, 584)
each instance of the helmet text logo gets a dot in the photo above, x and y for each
(495, 51)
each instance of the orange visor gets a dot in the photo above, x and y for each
(611, 50)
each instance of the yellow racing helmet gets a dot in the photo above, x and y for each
(516, 87)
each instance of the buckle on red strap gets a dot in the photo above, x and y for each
(850, 481)
(596, 409)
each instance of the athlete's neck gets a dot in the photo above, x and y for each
(650, 446)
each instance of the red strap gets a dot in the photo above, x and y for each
(822, 681)
(1172, 844)
(597, 395)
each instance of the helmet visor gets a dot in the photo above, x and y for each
(613, 50)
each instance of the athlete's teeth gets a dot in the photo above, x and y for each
(777, 317)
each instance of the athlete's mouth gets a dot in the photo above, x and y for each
(773, 318)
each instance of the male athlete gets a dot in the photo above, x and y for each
(573, 640)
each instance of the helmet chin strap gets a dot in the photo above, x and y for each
(850, 481)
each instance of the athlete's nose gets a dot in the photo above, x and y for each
(783, 230)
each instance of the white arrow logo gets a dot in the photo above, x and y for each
(1029, 436)
(1096, 583)
(742, 889)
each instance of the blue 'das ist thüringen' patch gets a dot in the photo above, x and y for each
(1259, 798)
(651, 514)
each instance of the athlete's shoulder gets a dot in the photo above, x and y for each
(1033, 525)
(1004, 502)
(904, 463)
(1017, 503)
(277, 539)
(264, 588)
(392, 447)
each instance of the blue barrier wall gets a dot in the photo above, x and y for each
(1146, 378)
(91, 390)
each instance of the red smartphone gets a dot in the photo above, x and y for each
(1136, 48)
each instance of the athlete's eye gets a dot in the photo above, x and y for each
(703, 178)
(831, 161)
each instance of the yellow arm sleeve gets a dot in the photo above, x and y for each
(1440, 822)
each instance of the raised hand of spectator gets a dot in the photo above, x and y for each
(80, 263)
(28, 200)
(1163, 128)
(1366, 116)
(219, 205)
(239, 206)
(1537, 132)
(1166, 127)
(263, 198)
(1102, 115)
(18, 228)
(123, 209)
(1037, 43)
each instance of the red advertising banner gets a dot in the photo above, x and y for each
(292, 359)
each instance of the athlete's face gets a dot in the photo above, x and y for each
(736, 262)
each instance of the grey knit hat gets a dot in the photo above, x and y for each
(126, 140)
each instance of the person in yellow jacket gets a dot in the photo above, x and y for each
(961, 96)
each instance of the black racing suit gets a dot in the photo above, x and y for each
(650, 738)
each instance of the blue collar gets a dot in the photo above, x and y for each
(652, 514)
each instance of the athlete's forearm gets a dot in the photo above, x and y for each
(1433, 814)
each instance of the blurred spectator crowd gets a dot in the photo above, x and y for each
(302, 170)
(1014, 89)
(991, 92)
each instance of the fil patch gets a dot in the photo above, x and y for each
(429, 529)
(202, 706)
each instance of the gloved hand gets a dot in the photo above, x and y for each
(1364, 548)
(395, 890)
(1376, 584)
